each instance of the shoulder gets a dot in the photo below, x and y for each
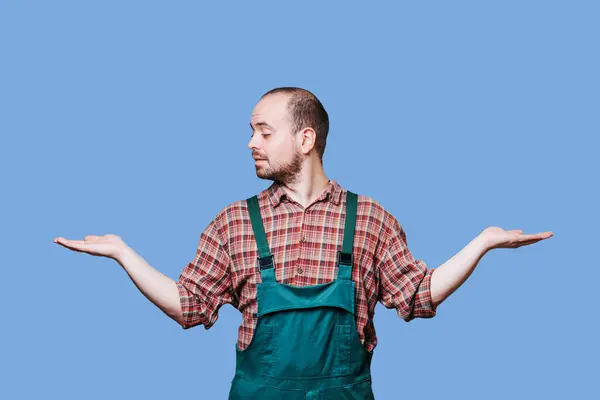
(228, 223)
(376, 218)
(232, 213)
(372, 208)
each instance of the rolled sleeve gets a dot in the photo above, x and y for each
(405, 283)
(205, 283)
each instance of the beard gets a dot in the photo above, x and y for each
(282, 173)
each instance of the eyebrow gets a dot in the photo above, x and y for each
(261, 124)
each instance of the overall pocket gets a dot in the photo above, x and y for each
(311, 344)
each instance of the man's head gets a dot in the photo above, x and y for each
(289, 126)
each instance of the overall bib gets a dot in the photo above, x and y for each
(306, 343)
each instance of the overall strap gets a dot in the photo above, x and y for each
(345, 257)
(265, 258)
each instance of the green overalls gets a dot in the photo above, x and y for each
(306, 344)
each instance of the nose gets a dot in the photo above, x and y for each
(253, 143)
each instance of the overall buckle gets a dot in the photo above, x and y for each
(345, 258)
(265, 262)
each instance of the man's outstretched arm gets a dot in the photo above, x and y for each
(202, 288)
(161, 290)
(158, 288)
(453, 273)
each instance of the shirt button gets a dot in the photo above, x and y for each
(303, 239)
(300, 270)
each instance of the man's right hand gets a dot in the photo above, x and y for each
(158, 288)
(110, 245)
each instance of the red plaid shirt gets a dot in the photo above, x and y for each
(304, 244)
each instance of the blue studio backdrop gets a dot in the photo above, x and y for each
(132, 118)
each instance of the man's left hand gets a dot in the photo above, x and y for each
(496, 237)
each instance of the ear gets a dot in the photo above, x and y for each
(307, 137)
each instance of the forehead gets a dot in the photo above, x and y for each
(271, 109)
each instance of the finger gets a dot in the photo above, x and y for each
(63, 240)
(73, 247)
(538, 236)
(528, 242)
(535, 239)
(73, 244)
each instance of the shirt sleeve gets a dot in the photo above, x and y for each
(405, 283)
(205, 283)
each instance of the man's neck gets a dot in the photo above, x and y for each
(308, 187)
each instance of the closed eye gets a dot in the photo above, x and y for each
(263, 134)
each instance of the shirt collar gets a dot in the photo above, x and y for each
(333, 193)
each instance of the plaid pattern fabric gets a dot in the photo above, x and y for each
(304, 244)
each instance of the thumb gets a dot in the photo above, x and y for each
(91, 237)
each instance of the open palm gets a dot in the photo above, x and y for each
(497, 237)
(107, 246)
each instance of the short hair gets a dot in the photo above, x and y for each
(306, 110)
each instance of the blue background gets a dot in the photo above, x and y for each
(132, 118)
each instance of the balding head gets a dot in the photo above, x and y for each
(305, 111)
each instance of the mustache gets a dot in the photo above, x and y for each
(256, 155)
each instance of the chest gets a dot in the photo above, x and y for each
(304, 244)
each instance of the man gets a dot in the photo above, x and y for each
(305, 261)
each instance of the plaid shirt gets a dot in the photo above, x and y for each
(304, 244)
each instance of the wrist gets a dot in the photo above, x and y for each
(483, 242)
(122, 253)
